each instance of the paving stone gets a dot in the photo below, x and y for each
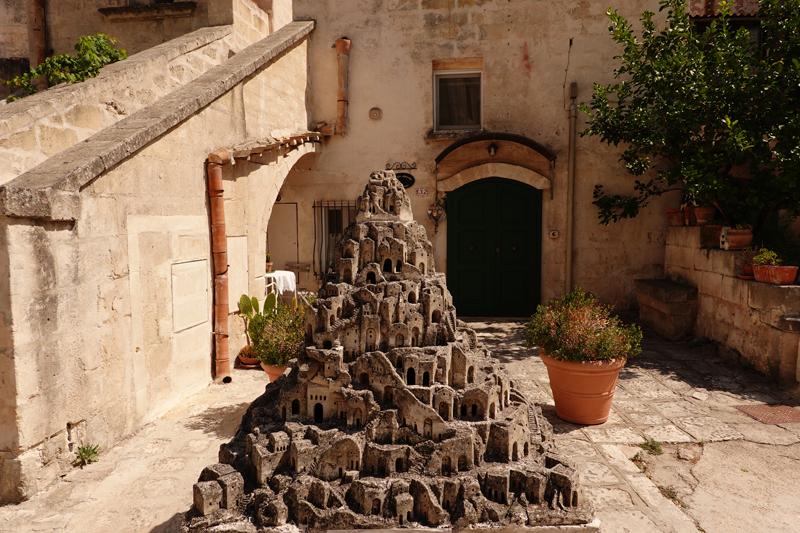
(668, 433)
(576, 448)
(649, 389)
(597, 474)
(626, 521)
(766, 433)
(616, 435)
(698, 395)
(607, 497)
(631, 406)
(647, 419)
(708, 429)
(619, 459)
(678, 409)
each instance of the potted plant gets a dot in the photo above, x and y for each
(767, 269)
(269, 264)
(674, 217)
(254, 320)
(740, 236)
(584, 348)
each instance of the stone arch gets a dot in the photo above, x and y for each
(444, 411)
(399, 266)
(436, 316)
(463, 411)
(462, 463)
(426, 379)
(489, 170)
(387, 265)
(445, 464)
(515, 452)
(422, 268)
(376, 506)
(399, 364)
(427, 428)
(318, 413)
(415, 337)
(400, 340)
(412, 298)
(371, 280)
(471, 374)
(295, 407)
(411, 377)
(327, 345)
(398, 465)
(363, 378)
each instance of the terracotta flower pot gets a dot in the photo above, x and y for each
(675, 218)
(582, 391)
(269, 267)
(274, 372)
(246, 360)
(775, 274)
(688, 216)
(704, 215)
(747, 270)
(739, 238)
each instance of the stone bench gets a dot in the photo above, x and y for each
(667, 307)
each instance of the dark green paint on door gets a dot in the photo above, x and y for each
(494, 248)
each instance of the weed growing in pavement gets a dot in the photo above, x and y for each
(87, 453)
(638, 460)
(651, 446)
(670, 493)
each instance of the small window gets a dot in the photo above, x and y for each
(331, 219)
(457, 100)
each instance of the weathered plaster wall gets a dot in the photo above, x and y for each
(113, 326)
(756, 323)
(526, 50)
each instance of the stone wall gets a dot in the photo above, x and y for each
(105, 261)
(525, 49)
(757, 324)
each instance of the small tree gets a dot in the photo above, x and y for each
(712, 112)
(92, 53)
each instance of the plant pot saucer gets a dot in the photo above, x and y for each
(248, 363)
(747, 278)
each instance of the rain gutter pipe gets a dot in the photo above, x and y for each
(219, 251)
(573, 119)
(342, 63)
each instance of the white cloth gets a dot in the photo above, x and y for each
(281, 280)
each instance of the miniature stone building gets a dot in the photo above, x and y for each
(395, 415)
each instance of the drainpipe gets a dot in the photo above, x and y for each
(573, 119)
(37, 44)
(342, 62)
(219, 251)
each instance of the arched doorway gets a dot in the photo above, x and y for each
(318, 413)
(494, 240)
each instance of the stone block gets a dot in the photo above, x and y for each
(232, 489)
(207, 497)
(668, 308)
(711, 284)
(680, 256)
(665, 290)
(216, 471)
(671, 327)
(702, 260)
(774, 301)
(734, 290)
(688, 236)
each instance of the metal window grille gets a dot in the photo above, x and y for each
(331, 217)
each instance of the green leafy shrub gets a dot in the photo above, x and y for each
(276, 334)
(93, 53)
(579, 328)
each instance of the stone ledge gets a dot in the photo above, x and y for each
(789, 323)
(40, 192)
(16, 116)
(665, 290)
(149, 12)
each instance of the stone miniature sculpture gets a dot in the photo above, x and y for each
(395, 415)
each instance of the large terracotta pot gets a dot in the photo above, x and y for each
(274, 372)
(704, 215)
(675, 218)
(775, 274)
(582, 391)
(739, 238)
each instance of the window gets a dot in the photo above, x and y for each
(457, 100)
(332, 217)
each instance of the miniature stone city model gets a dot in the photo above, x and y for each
(395, 415)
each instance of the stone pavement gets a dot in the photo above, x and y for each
(744, 477)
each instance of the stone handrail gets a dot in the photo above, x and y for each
(51, 190)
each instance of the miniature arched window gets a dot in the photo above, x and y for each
(436, 316)
(348, 274)
(426, 379)
(364, 378)
(340, 472)
(387, 394)
(333, 318)
(400, 340)
(327, 345)
(387, 265)
(295, 407)
(376, 506)
(422, 268)
(412, 298)
(463, 411)
(514, 453)
(399, 267)
(399, 363)
(371, 278)
(428, 427)
(318, 413)
(471, 374)
(284, 412)
(398, 464)
(338, 313)
(474, 409)
(525, 449)
(491, 410)
(357, 464)
(506, 404)
(444, 411)
(411, 377)
(445, 464)
(462, 463)
(455, 411)
(408, 516)
(415, 337)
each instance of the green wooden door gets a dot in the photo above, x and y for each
(494, 242)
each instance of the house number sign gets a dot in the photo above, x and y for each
(422, 191)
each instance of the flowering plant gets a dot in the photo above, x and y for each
(579, 328)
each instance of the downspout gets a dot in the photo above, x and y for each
(37, 44)
(342, 63)
(573, 119)
(219, 251)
